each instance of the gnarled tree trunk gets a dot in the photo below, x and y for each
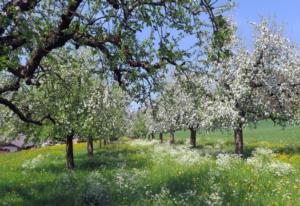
(172, 137)
(161, 137)
(238, 139)
(90, 146)
(193, 137)
(69, 152)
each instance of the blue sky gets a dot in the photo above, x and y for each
(285, 13)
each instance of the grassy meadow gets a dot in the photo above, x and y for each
(265, 131)
(142, 172)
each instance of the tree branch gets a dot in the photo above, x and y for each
(21, 115)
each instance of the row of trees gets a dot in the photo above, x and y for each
(76, 101)
(244, 88)
(60, 60)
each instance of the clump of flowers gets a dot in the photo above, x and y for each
(142, 142)
(162, 197)
(181, 154)
(227, 161)
(33, 163)
(214, 199)
(263, 152)
(263, 160)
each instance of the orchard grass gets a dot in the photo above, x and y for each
(142, 172)
(264, 134)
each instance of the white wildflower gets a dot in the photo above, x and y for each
(33, 163)
(226, 161)
(263, 160)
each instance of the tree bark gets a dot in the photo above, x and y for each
(69, 152)
(172, 137)
(90, 146)
(238, 139)
(193, 137)
(161, 137)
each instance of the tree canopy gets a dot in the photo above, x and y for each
(32, 30)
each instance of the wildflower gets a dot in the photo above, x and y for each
(214, 199)
(226, 161)
(263, 161)
(33, 163)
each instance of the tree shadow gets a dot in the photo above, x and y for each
(105, 158)
(38, 193)
(113, 159)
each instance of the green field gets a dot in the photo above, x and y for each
(141, 172)
(264, 132)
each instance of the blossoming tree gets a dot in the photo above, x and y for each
(169, 109)
(78, 101)
(260, 84)
(106, 109)
(153, 123)
(31, 31)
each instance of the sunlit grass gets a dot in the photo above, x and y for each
(265, 131)
(148, 173)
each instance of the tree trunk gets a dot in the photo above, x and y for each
(90, 146)
(69, 152)
(104, 142)
(161, 137)
(172, 137)
(100, 143)
(238, 138)
(193, 137)
(152, 135)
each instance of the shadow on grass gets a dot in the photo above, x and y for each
(113, 159)
(38, 193)
(63, 189)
